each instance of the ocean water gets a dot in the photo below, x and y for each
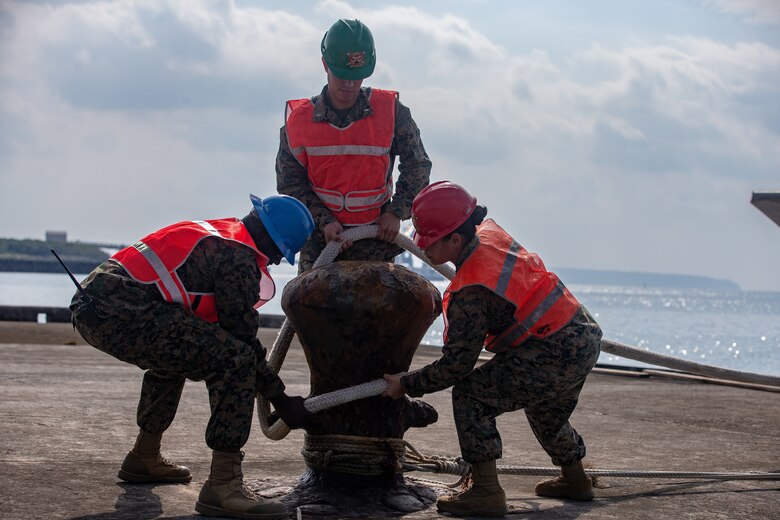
(739, 330)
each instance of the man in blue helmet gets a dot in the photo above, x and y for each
(181, 304)
(337, 151)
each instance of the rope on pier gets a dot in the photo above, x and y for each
(645, 356)
(377, 455)
(415, 461)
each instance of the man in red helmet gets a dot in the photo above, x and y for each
(502, 298)
(337, 152)
(181, 304)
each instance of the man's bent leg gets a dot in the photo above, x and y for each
(232, 391)
(160, 394)
(475, 422)
(550, 423)
(232, 398)
(474, 406)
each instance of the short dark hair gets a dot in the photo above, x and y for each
(469, 228)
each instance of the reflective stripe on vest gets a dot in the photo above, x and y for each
(176, 292)
(354, 201)
(208, 227)
(517, 331)
(346, 150)
(543, 305)
(348, 168)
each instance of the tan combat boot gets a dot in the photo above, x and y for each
(224, 493)
(145, 464)
(573, 484)
(485, 497)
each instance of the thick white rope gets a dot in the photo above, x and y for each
(415, 461)
(716, 475)
(279, 430)
(553, 472)
(645, 356)
(329, 400)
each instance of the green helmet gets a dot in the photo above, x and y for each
(348, 49)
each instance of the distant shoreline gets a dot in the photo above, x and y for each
(572, 276)
(45, 266)
(35, 256)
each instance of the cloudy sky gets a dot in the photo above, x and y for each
(609, 134)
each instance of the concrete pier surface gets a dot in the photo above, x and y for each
(67, 419)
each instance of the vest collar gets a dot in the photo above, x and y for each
(324, 113)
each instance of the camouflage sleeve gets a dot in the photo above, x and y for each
(468, 324)
(236, 286)
(236, 291)
(414, 166)
(292, 179)
(269, 384)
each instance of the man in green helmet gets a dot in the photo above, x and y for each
(337, 151)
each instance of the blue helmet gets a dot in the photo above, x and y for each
(287, 221)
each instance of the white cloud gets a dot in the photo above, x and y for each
(759, 12)
(141, 54)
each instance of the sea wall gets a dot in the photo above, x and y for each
(62, 315)
(30, 313)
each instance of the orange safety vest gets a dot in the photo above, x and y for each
(156, 257)
(543, 304)
(348, 167)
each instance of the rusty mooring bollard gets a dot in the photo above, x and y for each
(357, 321)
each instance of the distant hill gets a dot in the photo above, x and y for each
(571, 276)
(34, 256)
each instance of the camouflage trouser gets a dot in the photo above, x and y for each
(544, 377)
(366, 249)
(173, 345)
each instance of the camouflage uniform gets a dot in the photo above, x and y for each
(414, 174)
(542, 376)
(130, 321)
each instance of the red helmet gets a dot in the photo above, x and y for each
(438, 210)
